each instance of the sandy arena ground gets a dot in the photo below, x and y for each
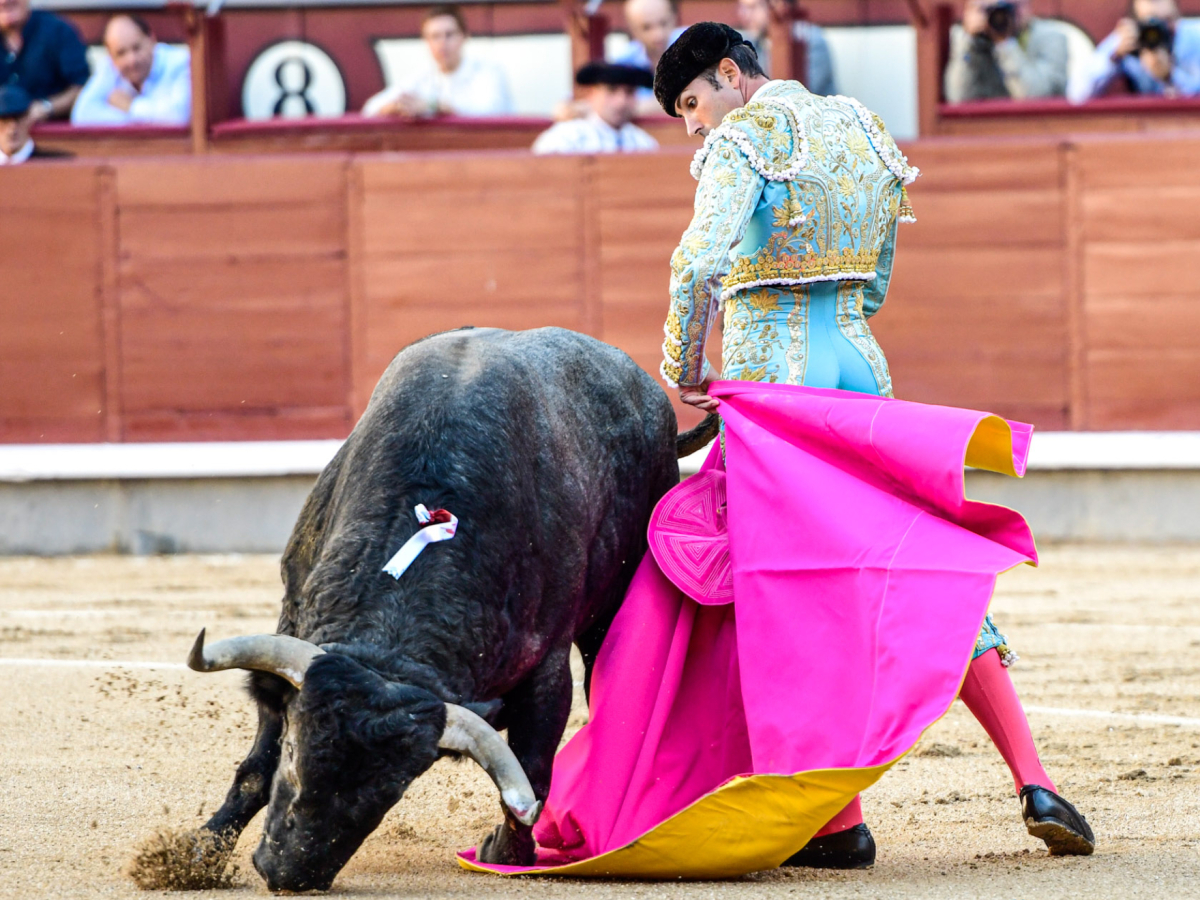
(94, 757)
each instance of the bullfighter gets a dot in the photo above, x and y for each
(793, 239)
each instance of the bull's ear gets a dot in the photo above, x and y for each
(488, 710)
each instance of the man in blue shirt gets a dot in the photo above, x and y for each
(42, 54)
(142, 82)
(1154, 51)
(16, 144)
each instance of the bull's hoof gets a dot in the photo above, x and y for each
(509, 846)
(183, 861)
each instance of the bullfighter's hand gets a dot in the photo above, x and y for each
(697, 395)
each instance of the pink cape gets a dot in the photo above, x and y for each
(806, 611)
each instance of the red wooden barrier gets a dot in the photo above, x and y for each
(261, 297)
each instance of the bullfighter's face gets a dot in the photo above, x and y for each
(710, 97)
(353, 743)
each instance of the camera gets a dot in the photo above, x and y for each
(1002, 18)
(1155, 34)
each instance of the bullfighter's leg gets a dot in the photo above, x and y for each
(844, 843)
(537, 712)
(989, 694)
(252, 784)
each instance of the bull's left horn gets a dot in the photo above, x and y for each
(468, 733)
(279, 654)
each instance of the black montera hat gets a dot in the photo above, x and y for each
(14, 101)
(699, 48)
(600, 72)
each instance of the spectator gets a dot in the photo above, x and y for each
(42, 54)
(754, 20)
(1152, 50)
(653, 27)
(1002, 51)
(16, 145)
(142, 82)
(609, 128)
(450, 83)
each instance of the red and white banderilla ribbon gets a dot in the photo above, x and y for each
(438, 525)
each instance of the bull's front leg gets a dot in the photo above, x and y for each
(251, 787)
(537, 713)
(197, 860)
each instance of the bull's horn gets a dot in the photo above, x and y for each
(279, 654)
(468, 733)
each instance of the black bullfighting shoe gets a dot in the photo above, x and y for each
(853, 848)
(1058, 823)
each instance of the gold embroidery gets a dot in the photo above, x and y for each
(797, 351)
(785, 268)
(752, 343)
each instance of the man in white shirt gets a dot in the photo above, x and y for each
(142, 82)
(16, 145)
(451, 84)
(608, 128)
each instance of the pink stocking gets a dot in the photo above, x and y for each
(847, 818)
(992, 699)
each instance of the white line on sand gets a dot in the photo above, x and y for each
(1134, 718)
(91, 663)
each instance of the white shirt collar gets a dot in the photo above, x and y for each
(19, 157)
(601, 124)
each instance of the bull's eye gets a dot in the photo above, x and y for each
(290, 822)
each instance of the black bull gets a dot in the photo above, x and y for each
(552, 449)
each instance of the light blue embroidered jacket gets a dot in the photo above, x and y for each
(795, 189)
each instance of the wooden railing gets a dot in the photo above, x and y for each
(231, 297)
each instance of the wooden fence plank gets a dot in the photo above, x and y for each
(236, 182)
(233, 298)
(1168, 212)
(1001, 218)
(1139, 162)
(444, 221)
(1137, 267)
(994, 164)
(51, 332)
(200, 234)
(262, 296)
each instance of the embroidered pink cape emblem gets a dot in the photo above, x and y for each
(689, 541)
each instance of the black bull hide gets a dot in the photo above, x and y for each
(552, 449)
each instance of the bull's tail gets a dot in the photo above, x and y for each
(688, 442)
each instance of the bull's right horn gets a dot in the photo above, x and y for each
(279, 654)
(468, 733)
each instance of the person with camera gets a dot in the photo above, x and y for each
(1002, 51)
(1152, 51)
